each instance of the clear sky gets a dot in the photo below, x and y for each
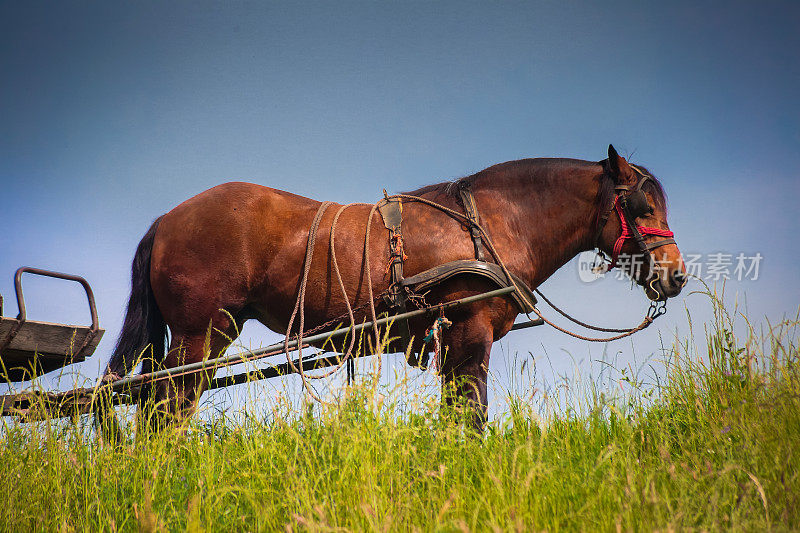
(112, 113)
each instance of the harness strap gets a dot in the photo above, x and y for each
(391, 210)
(656, 244)
(471, 210)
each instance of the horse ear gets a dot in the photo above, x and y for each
(620, 169)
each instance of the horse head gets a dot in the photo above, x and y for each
(637, 236)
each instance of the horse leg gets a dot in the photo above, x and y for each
(174, 400)
(465, 370)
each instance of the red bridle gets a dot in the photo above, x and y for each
(631, 231)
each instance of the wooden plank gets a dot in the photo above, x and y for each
(42, 347)
(39, 405)
(47, 338)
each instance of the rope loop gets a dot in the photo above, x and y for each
(434, 334)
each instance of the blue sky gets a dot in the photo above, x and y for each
(113, 113)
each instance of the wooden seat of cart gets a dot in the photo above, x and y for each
(31, 348)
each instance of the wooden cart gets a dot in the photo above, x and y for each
(45, 347)
(30, 348)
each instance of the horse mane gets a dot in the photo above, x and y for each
(529, 167)
(523, 167)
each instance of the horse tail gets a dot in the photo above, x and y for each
(144, 328)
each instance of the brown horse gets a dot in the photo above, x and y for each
(236, 252)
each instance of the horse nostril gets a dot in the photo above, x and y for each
(679, 277)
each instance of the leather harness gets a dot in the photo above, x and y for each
(471, 210)
(391, 210)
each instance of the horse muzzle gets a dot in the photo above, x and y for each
(659, 289)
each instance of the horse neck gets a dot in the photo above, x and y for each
(545, 216)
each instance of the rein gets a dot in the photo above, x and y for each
(629, 207)
(653, 312)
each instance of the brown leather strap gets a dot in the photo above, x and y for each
(426, 279)
(471, 210)
(601, 224)
(656, 244)
(391, 210)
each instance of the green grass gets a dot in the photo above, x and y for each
(715, 446)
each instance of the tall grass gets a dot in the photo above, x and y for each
(714, 446)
